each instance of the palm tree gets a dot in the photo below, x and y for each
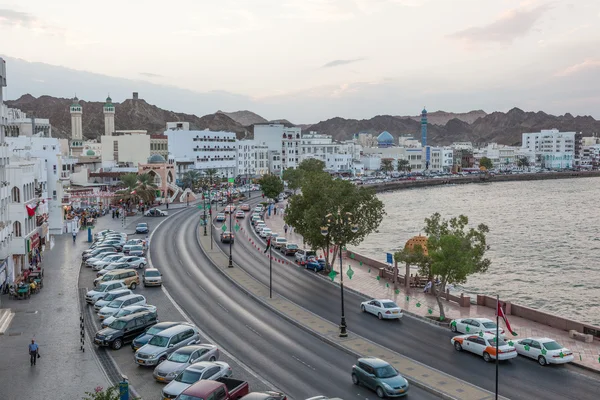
(210, 173)
(191, 179)
(403, 165)
(386, 165)
(137, 188)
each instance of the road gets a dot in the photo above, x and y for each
(296, 362)
(519, 379)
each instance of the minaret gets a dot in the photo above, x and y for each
(76, 124)
(424, 127)
(109, 117)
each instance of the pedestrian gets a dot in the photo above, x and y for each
(285, 228)
(34, 352)
(427, 287)
(167, 205)
(275, 210)
(74, 235)
(291, 229)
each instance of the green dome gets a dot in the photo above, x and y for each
(156, 159)
(75, 102)
(90, 152)
(108, 102)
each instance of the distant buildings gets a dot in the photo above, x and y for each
(550, 148)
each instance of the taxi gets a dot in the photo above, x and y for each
(484, 345)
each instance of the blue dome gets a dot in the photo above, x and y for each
(385, 138)
(156, 159)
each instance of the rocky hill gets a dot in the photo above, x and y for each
(245, 117)
(131, 114)
(442, 117)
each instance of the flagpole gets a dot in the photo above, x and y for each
(497, 339)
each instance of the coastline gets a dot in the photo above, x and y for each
(412, 184)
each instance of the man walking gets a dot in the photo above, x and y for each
(74, 236)
(33, 352)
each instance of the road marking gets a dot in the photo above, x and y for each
(201, 288)
(253, 330)
(221, 305)
(303, 363)
(188, 274)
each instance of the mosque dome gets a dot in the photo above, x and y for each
(90, 152)
(156, 159)
(75, 102)
(385, 139)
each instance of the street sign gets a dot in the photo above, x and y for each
(390, 258)
(231, 180)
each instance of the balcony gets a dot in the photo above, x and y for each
(65, 175)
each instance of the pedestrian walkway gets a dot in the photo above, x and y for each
(365, 280)
(423, 376)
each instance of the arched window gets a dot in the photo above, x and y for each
(16, 195)
(17, 229)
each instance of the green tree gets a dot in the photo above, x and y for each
(293, 177)
(210, 174)
(322, 195)
(271, 186)
(403, 165)
(311, 165)
(486, 163)
(387, 165)
(523, 162)
(455, 251)
(137, 188)
(191, 179)
(99, 393)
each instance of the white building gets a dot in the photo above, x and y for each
(19, 124)
(337, 157)
(252, 159)
(440, 160)
(203, 150)
(48, 150)
(76, 120)
(282, 139)
(125, 148)
(6, 264)
(501, 156)
(552, 149)
(109, 117)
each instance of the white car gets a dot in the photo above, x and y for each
(101, 264)
(112, 295)
(134, 261)
(265, 232)
(152, 277)
(259, 226)
(126, 311)
(117, 304)
(383, 308)
(203, 370)
(484, 344)
(102, 290)
(133, 242)
(544, 350)
(470, 326)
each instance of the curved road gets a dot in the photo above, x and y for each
(519, 379)
(297, 363)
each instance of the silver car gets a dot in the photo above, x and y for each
(203, 370)
(152, 277)
(112, 295)
(126, 311)
(166, 342)
(98, 265)
(183, 358)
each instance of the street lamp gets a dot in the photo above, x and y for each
(340, 222)
(188, 198)
(204, 210)
(230, 227)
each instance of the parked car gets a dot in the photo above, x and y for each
(110, 296)
(142, 228)
(254, 219)
(102, 290)
(164, 343)
(240, 214)
(152, 277)
(221, 217)
(259, 226)
(380, 376)
(127, 311)
(130, 243)
(302, 255)
(112, 267)
(544, 350)
(144, 338)
(196, 372)
(98, 263)
(155, 212)
(227, 388)
(272, 395)
(382, 308)
(128, 276)
(314, 264)
(470, 326)
(227, 237)
(136, 251)
(183, 358)
(484, 345)
(124, 329)
(116, 243)
(289, 249)
(99, 251)
(278, 242)
(117, 304)
(134, 261)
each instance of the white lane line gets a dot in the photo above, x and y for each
(253, 330)
(221, 305)
(180, 262)
(303, 363)
(201, 288)
(188, 274)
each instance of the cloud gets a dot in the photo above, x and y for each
(150, 75)
(580, 67)
(512, 24)
(337, 63)
(16, 18)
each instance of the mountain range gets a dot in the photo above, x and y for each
(443, 128)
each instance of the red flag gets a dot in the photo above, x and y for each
(268, 244)
(500, 313)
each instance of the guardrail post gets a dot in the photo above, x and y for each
(82, 332)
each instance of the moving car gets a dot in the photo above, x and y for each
(245, 207)
(226, 388)
(152, 277)
(221, 217)
(164, 343)
(471, 326)
(289, 249)
(144, 338)
(142, 227)
(383, 308)
(124, 329)
(380, 376)
(183, 358)
(203, 370)
(127, 311)
(155, 212)
(227, 237)
(102, 290)
(240, 214)
(544, 350)
(229, 209)
(117, 305)
(484, 344)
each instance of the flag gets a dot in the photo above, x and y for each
(268, 244)
(500, 313)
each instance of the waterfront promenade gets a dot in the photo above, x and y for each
(414, 301)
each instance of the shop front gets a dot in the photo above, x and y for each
(32, 248)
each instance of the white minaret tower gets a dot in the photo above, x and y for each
(76, 124)
(109, 117)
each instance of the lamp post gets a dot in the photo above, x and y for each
(204, 210)
(230, 227)
(341, 223)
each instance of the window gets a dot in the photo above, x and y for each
(16, 195)
(17, 228)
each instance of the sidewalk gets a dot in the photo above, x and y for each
(365, 281)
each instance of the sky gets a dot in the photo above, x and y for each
(309, 60)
